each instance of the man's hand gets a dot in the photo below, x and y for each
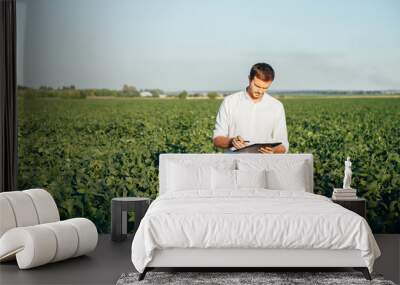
(278, 149)
(238, 142)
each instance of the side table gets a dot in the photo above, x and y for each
(119, 214)
(357, 205)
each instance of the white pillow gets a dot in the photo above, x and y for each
(292, 179)
(251, 178)
(281, 174)
(223, 179)
(227, 179)
(181, 177)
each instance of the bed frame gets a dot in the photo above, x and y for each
(241, 259)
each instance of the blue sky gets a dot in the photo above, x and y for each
(208, 45)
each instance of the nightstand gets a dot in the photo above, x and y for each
(357, 205)
(119, 214)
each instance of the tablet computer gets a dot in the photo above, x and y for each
(253, 148)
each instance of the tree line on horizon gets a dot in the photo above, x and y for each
(130, 91)
(70, 91)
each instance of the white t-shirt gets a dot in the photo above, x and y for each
(256, 122)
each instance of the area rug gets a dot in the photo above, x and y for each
(229, 278)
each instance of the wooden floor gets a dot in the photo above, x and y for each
(111, 259)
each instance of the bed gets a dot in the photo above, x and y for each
(247, 210)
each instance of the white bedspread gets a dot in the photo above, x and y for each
(251, 218)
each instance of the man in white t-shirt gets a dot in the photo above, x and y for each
(252, 116)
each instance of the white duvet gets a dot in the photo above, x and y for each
(251, 218)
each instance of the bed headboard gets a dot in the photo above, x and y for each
(229, 159)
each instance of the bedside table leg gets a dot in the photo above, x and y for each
(124, 224)
(116, 225)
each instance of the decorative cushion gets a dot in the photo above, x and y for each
(292, 179)
(224, 179)
(190, 171)
(251, 178)
(281, 174)
(183, 178)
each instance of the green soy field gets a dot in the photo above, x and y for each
(87, 151)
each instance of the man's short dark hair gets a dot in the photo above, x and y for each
(262, 71)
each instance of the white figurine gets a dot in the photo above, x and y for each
(347, 174)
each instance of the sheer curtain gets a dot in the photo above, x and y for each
(8, 111)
